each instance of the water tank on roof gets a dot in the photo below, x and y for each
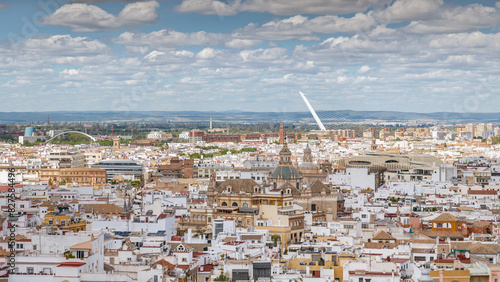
(29, 131)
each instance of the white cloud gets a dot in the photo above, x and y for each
(139, 13)
(363, 69)
(158, 57)
(409, 10)
(209, 7)
(89, 18)
(65, 45)
(277, 7)
(458, 19)
(207, 53)
(289, 7)
(304, 29)
(263, 54)
(242, 43)
(170, 38)
(70, 72)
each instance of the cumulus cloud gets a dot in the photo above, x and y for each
(457, 19)
(242, 43)
(363, 69)
(100, 1)
(209, 7)
(277, 7)
(90, 18)
(289, 7)
(170, 38)
(139, 13)
(65, 45)
(409, 10)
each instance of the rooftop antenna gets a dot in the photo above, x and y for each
(313, 112)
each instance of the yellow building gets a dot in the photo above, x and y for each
(287, 223)
(445, 222)
(83, 176)
(451, 275)
(64, 222)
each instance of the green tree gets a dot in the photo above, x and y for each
(222, 277)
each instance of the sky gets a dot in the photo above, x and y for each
(249, 55)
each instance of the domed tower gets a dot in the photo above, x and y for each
(285, 155)
(285, 171)
(307, 155)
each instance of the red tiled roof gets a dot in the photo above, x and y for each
(482, 192)
(206, 268)
(165, 263)
(176, 238)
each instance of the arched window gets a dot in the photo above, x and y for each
(289, 191)
(235, 204)
(202, 218)
(224, 204)
(245, 205)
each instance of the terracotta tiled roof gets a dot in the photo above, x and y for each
(238, 185)
(481, 224)
(441, 234)
(382, 235)
(230, 239)
(482, 192)
(82, 246)
(445, 217)
(103, 208)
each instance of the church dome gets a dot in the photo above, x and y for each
(285, 172)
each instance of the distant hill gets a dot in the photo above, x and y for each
(240, 116)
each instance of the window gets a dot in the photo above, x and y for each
(30, 270)
(363, 216)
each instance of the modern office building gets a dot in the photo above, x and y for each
(120, 167)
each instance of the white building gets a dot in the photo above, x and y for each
(354, 177)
